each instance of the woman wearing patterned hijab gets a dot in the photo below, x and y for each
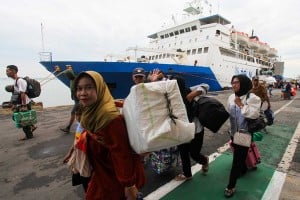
(117, 170)
(240, 107)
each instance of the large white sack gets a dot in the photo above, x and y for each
(150, 128)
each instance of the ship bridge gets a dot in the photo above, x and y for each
(214, 19)
(218, 19)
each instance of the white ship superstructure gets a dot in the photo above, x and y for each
(201, 47)
(210, 42)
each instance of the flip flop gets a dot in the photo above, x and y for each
(182, 177)
(229, 192)
(33, 128)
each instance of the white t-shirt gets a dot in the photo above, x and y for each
(21, 86)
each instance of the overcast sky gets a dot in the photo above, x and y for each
(91, 29)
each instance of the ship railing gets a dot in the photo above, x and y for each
(45, 56)
(178, 56)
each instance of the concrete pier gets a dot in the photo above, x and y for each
(33, 169)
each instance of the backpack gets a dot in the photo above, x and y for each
(210, 112)
(33, 89)
(269, 114)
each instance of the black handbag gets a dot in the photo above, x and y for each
(210, 112)
(255, 125)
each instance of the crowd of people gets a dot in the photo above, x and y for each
(101, 157)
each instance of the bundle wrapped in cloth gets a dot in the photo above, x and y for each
(156, 117)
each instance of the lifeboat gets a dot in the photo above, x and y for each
(253, 43)
(272, 52)
(263, 48)
(241, 37)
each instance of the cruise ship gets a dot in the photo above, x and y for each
(202, 47)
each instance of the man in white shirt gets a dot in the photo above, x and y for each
(24, 102)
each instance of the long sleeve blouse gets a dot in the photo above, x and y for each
(251, 109)
(115, 164)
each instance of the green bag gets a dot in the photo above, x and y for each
(23, 119)
(257, 136)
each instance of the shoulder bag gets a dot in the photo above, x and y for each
(241, 137)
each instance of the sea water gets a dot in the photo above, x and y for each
(54, 93)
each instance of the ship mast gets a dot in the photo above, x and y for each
(42, 34)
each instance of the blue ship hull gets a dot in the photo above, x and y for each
(118, 75)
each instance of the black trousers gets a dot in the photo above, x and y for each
(238, 167)
(192, 149)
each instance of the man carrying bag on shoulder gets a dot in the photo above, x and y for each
(22, 102)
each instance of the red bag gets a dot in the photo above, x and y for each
(253, 157)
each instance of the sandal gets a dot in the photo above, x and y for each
(229, 192)
(66, 130)
(182, 177)
(206, 166)
(33, 128)
(23, 139)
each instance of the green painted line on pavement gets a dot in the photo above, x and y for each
(252, 185)
(211, 186)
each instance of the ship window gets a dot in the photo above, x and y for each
(194, 51)
(181, 31)
(218, 32)
(205, 50)
(176, 32)
(162, 36)
(166, 35)
(164, 55)
(160, 56)
(199, 50)
(188, 29)
(156, 57)
(168, 55)
(171, 34)
(194, 28)
(188, 52)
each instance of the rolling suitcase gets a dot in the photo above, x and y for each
(253, 157)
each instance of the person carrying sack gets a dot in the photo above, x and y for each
(23, 102)
(240, 108)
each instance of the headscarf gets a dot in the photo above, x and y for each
(96, 116)
(245, 84)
